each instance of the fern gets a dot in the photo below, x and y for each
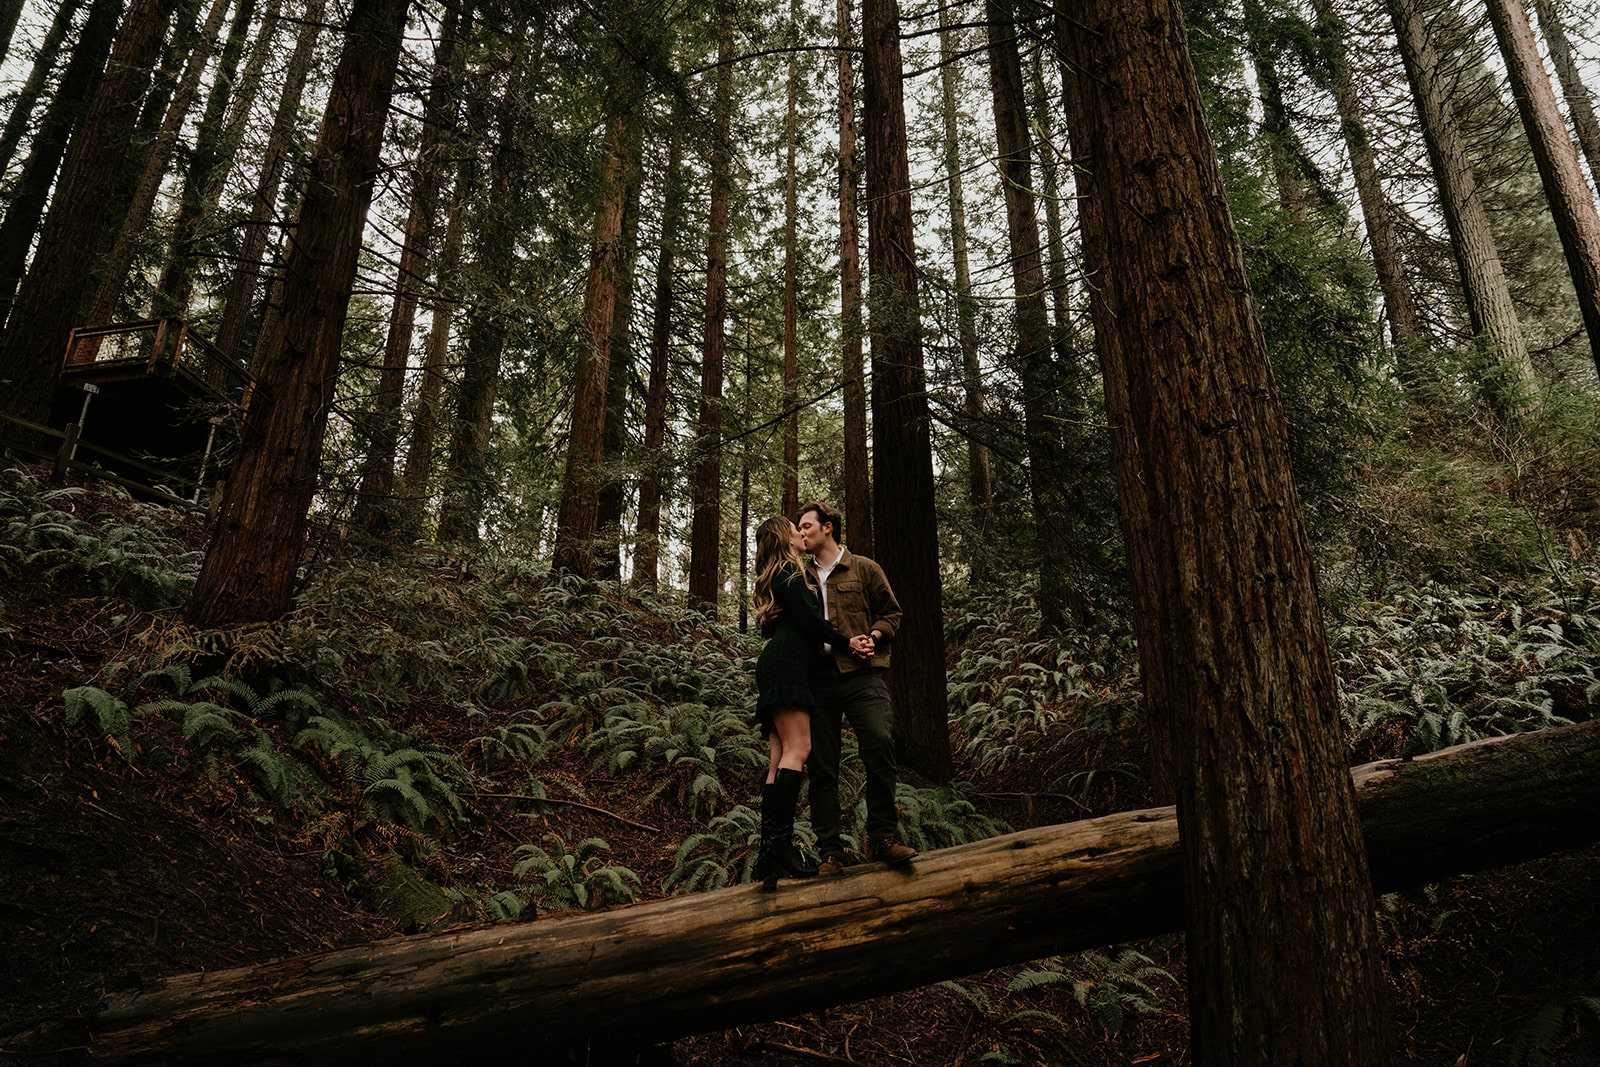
(111, 716)
(1109, 986)
(720, 855)
(1537, 1038)
(574, 877)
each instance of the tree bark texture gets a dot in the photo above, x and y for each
(619, 374)
(10, 12)
(211, 154)
(857, 460)
(980, 484)
(1284, 961)
(1043, 390)
(376, 509)
(1055, 257)
(1483, 275)
(647, 553)
(492, 205)
(116, 263)
(1571, 202)
(250, 568)
(791, 281)
(50, 294)
(705, 522)
(710, 961)
(578, 523)
(251, 266)
(27, 101)
(164, 79)
(905, 527)
(1400, 309)
(1283, 148)
(1579, 103)
(418, 469)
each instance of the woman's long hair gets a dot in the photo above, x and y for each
(774, 548)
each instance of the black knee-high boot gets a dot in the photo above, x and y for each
(778, 855)
(766, 871)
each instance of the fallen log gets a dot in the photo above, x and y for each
(710, 961)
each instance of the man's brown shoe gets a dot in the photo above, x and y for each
(891, 851)
(830, 866)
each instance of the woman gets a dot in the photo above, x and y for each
(787, 611)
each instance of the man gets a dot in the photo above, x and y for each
(850, 683)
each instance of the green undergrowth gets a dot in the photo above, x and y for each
(468, 738)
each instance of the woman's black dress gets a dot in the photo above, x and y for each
(783, 672)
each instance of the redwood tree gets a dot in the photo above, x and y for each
(980, 485)
(44, 64)
(905, 526)
(705, 524)
(250, 568)
(857, 461)
(250, 266)
(376, 508)
(1284, 961)
(1044, 389)
(1483, 274)
(49, 297)
(1571, 203)
(647, 553)
(578, 523)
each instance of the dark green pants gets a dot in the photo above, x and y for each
(862, 698)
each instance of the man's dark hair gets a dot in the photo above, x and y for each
(827, 515)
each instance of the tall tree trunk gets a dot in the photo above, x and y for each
(50, 296)
(1285, 964)
(164, 79)
(857, 461)
(250, 568)
(980, 484)
(906, 527)
(619, 373)
(251, 265)
(791, 284)
(44, 64)
(376, 508)
(1405, 326)
(466, 480)
(10, 12)
(176, 283)
(1282, 145)
(1483, 275)
(116, 264)
(705, 523)
(1043, 390)
(1055, 260)
(578, 522)
(1571, 202)
(647, 553)
(425, 415)
(1579, 103)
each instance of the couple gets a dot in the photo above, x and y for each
(829, 625)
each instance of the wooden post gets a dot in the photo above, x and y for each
(69, 448)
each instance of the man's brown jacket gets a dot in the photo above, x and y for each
(860, 601)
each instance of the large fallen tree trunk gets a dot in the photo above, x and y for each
(710, 961)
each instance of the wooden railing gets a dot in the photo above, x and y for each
(65, 458)
(162, 347)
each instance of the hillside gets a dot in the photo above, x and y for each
(432, 739)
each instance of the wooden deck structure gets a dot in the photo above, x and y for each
(155, 403)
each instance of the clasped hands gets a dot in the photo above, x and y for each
(863, 646)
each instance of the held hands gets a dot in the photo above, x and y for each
(863, 646)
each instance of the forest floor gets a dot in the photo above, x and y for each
(114, 875)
